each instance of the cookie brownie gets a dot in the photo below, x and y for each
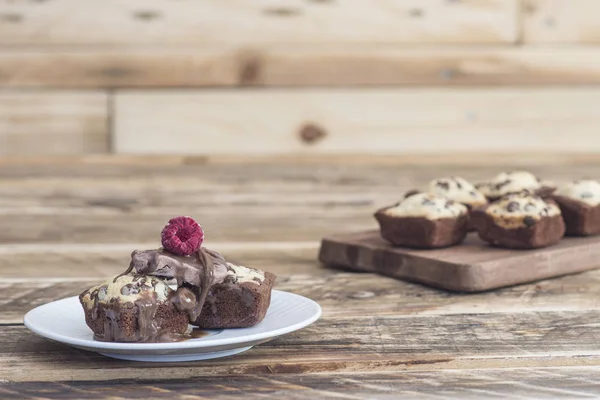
(239, 301)
(229, 296)
(133, 308)
(520, 221)
(579, 202)
(459, 190)
(515, 182)
(425, 221)
(138, 306)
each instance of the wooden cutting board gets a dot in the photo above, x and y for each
(470, 267)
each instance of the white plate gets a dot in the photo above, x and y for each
(64, 321)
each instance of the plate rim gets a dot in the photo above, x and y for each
(188, 344)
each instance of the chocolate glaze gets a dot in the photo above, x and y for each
(146, 304)
(184, 299)
(200, 270)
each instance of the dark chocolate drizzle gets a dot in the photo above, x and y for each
(207, 281)
(199, 270)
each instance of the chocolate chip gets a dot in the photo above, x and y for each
(427, 202)
(458, 185)
(411, 193)
(449, 203)
(472, 193)
(529, 221)
(587, 195)
(501, 184)
(129, 289)
(443, 185)
(512, 206)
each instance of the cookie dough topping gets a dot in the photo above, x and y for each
(427, 205)
(510, 182)
(586, 191)
(521, 210)
(241, 274)
(127, 288)
(457, 189)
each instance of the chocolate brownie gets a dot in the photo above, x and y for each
(579, 202)
(227, 295)
(515, 182)
(133, 308)
(240, 301)
(138, 306)
(424, 221)
(459, 190)
(520, 221)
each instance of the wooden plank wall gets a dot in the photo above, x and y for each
(299, 76)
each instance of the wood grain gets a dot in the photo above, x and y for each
(53, 123)
(107, 164)
(472, 266)
(90, 203)
(334, 65)
(66, 225)
(74, 67)
(518, 383)
(93, 261)
(377, 121)
(337, 345)
(561, 21)
(235, 21)
(341, 294)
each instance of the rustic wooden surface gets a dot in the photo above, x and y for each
(412, 74)
(53, 123)
(560, 21)
(234, 66)
(346, 121)
(66, 225)
(159, 22)
(472, 266)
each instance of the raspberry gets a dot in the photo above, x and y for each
(182, 236)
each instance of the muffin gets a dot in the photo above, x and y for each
(515, 182)
(579, 202)
(520, 221)
(424, 221)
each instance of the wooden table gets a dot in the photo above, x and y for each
(65, 225)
